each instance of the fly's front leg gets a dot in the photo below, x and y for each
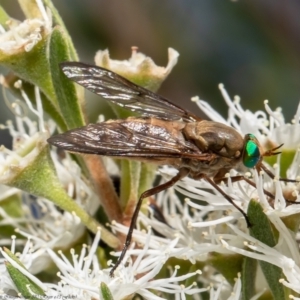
(272, 176)
(181, 174)
(227, 197)
(240, 178)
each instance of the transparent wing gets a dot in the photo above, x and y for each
(124, 93)
(127, 138)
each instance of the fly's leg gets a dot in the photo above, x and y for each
(220, 177)
(228, 198)
(250, 182)
(181, 174)
(272, 176)
(157, 213)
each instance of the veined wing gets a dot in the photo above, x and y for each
(124, 93)
(131, 138)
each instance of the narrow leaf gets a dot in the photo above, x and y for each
(248, 278)
(105, 292)
(27, 288)
(12, 256)
(263, 231)
(66, 93)
(31, 66)
(57, 20)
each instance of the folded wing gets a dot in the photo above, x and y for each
(131, 138)
(124, 93)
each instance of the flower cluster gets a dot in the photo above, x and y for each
(196, 242)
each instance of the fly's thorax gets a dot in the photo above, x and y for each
(215, 137)
(172, 126)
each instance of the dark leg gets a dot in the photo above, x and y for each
(229, 199)
(242, 177)
(181, 174)
(272, 176)
(268, 172)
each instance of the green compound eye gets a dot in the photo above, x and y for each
(251, 155)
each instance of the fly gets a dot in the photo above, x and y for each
(165, 134)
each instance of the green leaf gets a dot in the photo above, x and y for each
(261, 227)
(12, 256)
(105, 292)
(24, 285)
(22, 282)
(263, 231)
(57, 20)
(273, 274)
(31, 66)
(66, 93)
(248, 278)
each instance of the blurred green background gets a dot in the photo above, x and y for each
(252, 47)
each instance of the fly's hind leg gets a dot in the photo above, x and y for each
(181, 174)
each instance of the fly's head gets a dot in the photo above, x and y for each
(253, 153)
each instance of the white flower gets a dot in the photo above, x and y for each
(41, 220)
(27, 34)
(139, 67)
(269, 128)
(28, 138)
(289, 263)
(192, 231)
(198, 229)
(195, 229)
(82, 277)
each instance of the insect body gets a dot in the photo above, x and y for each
(205, 148)
(164, 134)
